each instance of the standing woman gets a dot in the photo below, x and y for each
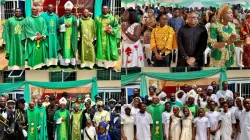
(222, 35)
(246, 49)
(127, 124)
(132, 52)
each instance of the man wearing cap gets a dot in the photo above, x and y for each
(33, 122)
(46, 102)
(112, 103)
(11, 105)
(50, 111)
(107, 36)
(115, 123)
(101, 115)
(62, 119)
(35, 32)
(42, 135)
(21, 120)
(76, 118)
(68, 37)
(6, 120)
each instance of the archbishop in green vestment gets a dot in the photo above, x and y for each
(12, 36)
(107, 34)
(32, 121)
(87, 36)
(156, 109)
(42, 133)
(62, 119)
(76, 125)
(51, 20)
(35, 32)
(68, 37)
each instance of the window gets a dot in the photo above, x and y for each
(110, 93)
(184, 69)
(61, 76)
(108, 75)
(126, 71)
(13, 76)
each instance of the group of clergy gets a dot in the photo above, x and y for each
(48, 121)
(43, 39)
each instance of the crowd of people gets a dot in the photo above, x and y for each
(193, 113)
(43, 39)
(158, 36)
(82, 119)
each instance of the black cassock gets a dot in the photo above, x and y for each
(115, 127)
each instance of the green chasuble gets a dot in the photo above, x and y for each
(69, 39)
(32, 123)
(52, 24)
(156, 111)
(62, 130)
(12, 35)
(87, 49)
(193, 109)
(107, 44)
(42, 134)
(36, 50)
(76, 125)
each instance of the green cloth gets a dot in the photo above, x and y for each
(76, 125)
(12, 35)
(3, 1)
(62, 130)
(107, 43)
(87, 49)
(42, 119)
(33, 122)
(207, 108)
(178, 76)
(97, 8)
(28, 5)
(156, 111)
(225, 56)
(193, 109)
(176, 103)
(68, 39)
(52, 24)
(36, 51)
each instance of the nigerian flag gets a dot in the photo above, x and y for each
(28, 5)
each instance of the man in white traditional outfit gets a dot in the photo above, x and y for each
(143, 123)
(244, 120)
(210, 94)
(101, 115)
(225, 93)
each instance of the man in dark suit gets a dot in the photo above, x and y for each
(21, 120)
(115, 123)
(6, 121)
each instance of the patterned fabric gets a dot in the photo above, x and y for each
(224, 56)
(147, 33)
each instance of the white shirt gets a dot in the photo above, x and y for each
(245, 125)
(224, 94)
(203, 103)
(201, 125)
(214, 118)
(213, 97)
(91, 132)
(227, 119)
(142, 123)
(134, 110)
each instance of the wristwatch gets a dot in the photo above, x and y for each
(226, 44)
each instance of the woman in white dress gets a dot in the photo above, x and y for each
(166, 119)
(132, 50)
(127, 124)
(135, 104)
(237, 114)
(175, 124)
(187, 125)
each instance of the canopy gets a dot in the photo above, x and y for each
(178, 76)
(50, 85)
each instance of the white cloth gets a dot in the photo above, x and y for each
(169, 15)
(186, 133)
(227, 119)
(91, 132)
(63, 101)
(213, 97)
(203, 103)
(201, 124)
(132, 52)
(245, 125)
(237, 114)
(68, 5)
(128, 126)
(134, 110)
(182, 99)
(175, 127)
(142, 122)
(224, 94)
(123, 109)
(59, 121)
(214, 118)
(166, 120)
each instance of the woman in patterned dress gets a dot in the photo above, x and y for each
(132, 52)
(246, 49)
(222, 35)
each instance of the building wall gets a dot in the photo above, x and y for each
(37, 75)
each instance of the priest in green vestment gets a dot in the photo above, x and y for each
(156, 109)
(12, 36)
(32, 122)
(42, 125)
(107, 34)
(35, 33)
(62, 119)
(68, 37)
(87, 36)
(51, 20)
(76, 125)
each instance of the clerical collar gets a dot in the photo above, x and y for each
(31, 109)
(18, 18)
(106, 15)
(35, 16)
(67, 16)
(85, 18)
